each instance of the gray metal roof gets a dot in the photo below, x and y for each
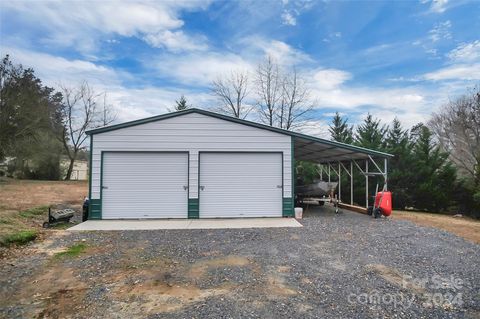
(306, 147)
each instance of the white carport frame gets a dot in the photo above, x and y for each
(333, 159)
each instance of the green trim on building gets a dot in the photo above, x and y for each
(101, 186)
(193, 208)
(95, 209)
(288, 209)
(294, 178)
(240, 121)
(90, 180)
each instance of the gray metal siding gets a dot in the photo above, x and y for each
(144, 185)
(192, 133)
(240, 185)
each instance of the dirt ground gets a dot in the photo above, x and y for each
(23, 194)
(307, 272)
(17, 196)
(319, 270)
(465, 227)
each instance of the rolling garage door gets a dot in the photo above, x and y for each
(240, 185)
(144, 185)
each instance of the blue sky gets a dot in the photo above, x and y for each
(402, 58)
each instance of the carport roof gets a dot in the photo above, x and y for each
(306, 147)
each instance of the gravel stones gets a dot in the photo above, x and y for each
(325, 269)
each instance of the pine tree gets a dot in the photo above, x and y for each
(371, 134)
(181, 104)
(399, 170)
(434, 173)
(340, 131)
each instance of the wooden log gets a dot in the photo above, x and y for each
(353, 208)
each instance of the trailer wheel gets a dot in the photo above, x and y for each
(321, 203)
(370, 210)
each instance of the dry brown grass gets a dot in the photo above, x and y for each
(17, 196)
(465, 227)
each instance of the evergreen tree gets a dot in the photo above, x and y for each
(371, 134)
(399, 170)
(30, 123)
(434, 174)
(340, 131)
(181, 104)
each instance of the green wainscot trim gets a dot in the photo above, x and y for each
(193, 208)
(95, 209)
(288, 207)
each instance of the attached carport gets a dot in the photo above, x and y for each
(199, 164)
(336, 159)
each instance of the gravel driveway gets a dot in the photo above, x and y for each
(337, 266)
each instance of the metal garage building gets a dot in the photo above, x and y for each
(200, 164)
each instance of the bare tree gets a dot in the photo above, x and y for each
(231, 92)
(457, 127)
(108, 114)
(283, 97)
(81, 112)
(295, 101)
(268, 89)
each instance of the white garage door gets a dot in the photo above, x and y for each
(240, 185)
(144, 185)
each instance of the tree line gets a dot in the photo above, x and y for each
(435, 165)
(40, 125)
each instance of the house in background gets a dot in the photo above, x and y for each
(80, 169)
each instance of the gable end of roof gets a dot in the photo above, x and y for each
(239, 121)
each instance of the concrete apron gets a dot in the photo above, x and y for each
(149, 224)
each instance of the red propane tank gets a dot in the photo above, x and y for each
(385, 204)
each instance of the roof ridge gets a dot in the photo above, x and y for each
(236, 120)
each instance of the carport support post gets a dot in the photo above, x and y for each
(366, 183)
(339, 183)
(329, 173)
(351, 183)
(386, 173)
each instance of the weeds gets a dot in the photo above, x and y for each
(72, 251)
(32, 212)
(19, 238)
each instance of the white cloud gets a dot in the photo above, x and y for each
(80, 24)
(466, 52)
(332, 36)
(176, 41)
(283, 53)
(54, 70)
(201, 69)
(257, 48)
(438, 6)
(327, 79)
(353, 97)
(318, 128)
(466, 72)
(440, 31)
(288, 18)
(130, 103)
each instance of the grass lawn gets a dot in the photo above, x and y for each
(465, 227)
(24, 206)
